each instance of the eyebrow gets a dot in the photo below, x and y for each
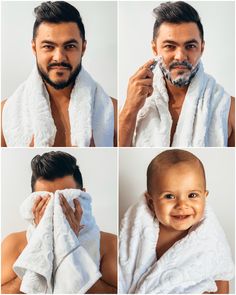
(65, 43)
(185, 43)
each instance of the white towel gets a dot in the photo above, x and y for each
(55, 260)
(191, 265)
(203, 120)
(27, 113)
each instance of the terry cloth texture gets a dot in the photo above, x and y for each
(55, 260)
(203, 119)
(191, 265)
(27, 114)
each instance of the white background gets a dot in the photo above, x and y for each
(100, 59)
(220, 175)
(135, 34)
(99, 171)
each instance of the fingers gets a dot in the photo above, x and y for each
(74, 218)
(78, 210)
(39, 207)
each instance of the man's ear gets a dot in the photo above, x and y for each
(84, 189)
(154, 48)
(206, 193)
(149, 200)
(84, 45)
(202, 47)
(33, 46)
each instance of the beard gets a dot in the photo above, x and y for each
(63, 84)
(183, 78)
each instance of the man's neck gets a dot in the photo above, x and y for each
(61, 96)
(176, 94)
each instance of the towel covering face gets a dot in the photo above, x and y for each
(203, 120)
(27, 114)
(191, 265)
(55, 260)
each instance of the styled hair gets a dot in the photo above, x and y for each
(176, 13)
(54, 165)
(168, 158)
(57, 12)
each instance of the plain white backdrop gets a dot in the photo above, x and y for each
(219, 164)
(100, 59)
(99, 171)
(135, 34)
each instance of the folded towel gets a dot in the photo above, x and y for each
(203, 120)
(27, 113)
(191, 265)
(55, 260)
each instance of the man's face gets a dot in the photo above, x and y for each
(180, 48)
(65, 182)
(58, 49)
(178, 196)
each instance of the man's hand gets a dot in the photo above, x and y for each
(139, 88)
(39, 207)
(73, 217)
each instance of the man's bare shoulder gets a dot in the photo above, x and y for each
(15, 242)
(108, 240)
(231, 123)
(114, 102)
(3, 142)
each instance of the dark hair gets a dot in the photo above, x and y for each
(54, 165)
(57, 12)
(171, 157)
(176, 13)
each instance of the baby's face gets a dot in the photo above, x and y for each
(178, 195)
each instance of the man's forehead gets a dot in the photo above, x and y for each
(179, 33)
(58, 31)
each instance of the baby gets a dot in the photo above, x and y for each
(168, 229)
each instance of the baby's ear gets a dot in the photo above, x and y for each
(149, 201)
(206, 193)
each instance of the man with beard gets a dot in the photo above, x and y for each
(170, 100)
(59, 104)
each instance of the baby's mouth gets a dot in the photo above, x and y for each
(180, 217)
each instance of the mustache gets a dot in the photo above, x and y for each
(184, 63)
(61, 64)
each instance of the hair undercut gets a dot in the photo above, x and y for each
(168, 158)
(57, 12)
(176, 13)
(54, 165)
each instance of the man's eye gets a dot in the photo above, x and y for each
(169, 196)
(191, 46)
(193, 195)
(48, 46)
(70, 46)
(168, 46)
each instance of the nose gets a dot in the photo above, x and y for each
(180, 54)
(59, 55)
(182, 203)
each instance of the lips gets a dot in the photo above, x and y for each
(180, 217)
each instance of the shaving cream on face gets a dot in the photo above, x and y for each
(183, 77)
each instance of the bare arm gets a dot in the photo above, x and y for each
(231, 124)
(11, 248)
(139, 88)
(222, 288)
(3, 142)
(108, 268)
(114, 102)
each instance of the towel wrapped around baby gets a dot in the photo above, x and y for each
(55, 260)
(191, 265)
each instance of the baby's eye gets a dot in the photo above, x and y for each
(169, 196)
(193, 195)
